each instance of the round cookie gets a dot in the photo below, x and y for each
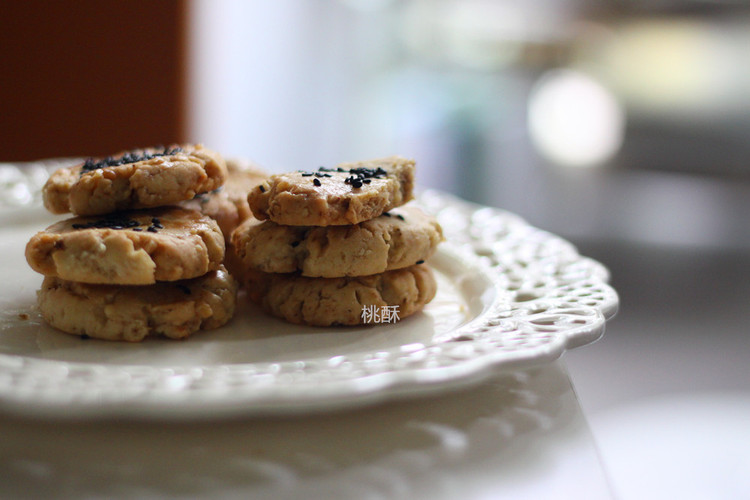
(142, 178)
(132, 313)
(129, 248)
(227, 205)
(350, 193)
(343, 301)
(397, 239)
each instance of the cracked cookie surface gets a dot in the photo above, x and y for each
(135, 179)
(394, 240)
(129, 248)
(349, 193)
(111, 312)
(341, 301)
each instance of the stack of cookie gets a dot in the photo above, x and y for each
(130, 265)
(336, 247)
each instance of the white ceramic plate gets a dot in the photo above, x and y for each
(509, 295)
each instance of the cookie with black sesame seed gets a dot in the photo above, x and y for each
(131, 313)
(129, 248)
(142, 178)
(349, 193)
(394, 240)
(342, 301)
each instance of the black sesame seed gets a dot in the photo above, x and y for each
(420, 262)
(307, 174)
(363, 175)
(127, 158)
(262, 189)
(365, 172)
(316, 181)
(152, 229)
(112, 221)
(139, 229)
(400, 216)
(387, 214)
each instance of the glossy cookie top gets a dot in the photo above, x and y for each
(349, 193)
(129, 248)
(142, 178)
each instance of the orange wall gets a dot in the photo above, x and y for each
(86, 77)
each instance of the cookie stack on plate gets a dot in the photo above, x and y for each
(131, 264)
(336, 246)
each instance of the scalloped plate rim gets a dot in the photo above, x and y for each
(336, 394)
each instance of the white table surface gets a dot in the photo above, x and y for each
(520, 435)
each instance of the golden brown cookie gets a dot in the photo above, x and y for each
(132, 313)
(398, 238)
(343, 301)
(227, 205)
(141, 178)
(350, 193)
(129, 248)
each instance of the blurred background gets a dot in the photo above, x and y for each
(622, 125)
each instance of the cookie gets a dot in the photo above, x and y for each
(343, 301)
(132, 313)
(350, 193)
(397, 239)
(141, 178)
(129, 248)
(227, 205)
